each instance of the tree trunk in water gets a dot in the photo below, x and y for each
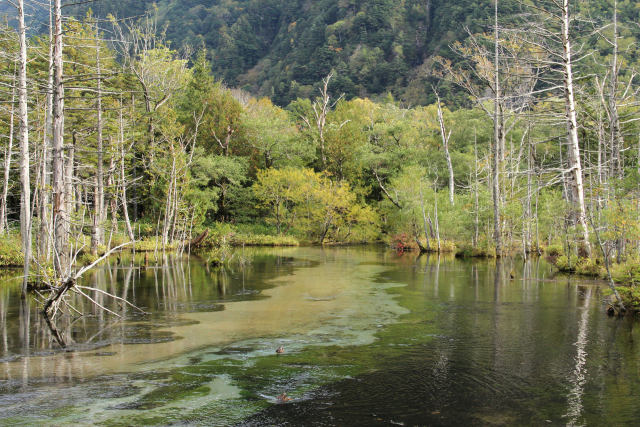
(60, 212)
(575, 165)
(45, 231)
(25, 190)
(477, 196)
(113, 200)
(97, 234)
(123, 180)
(497, 139)
(437, 224)
(424, 219)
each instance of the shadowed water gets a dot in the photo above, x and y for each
(370, 337)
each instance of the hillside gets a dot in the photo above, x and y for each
(282, 48)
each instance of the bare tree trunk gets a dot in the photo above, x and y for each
(168, 214)
(25, 193)
(497, 139)
(477, 196)
(45, 231)
(527, 246)
(445, 143)
(616, 136)
(437, 223)
(575, 165)
(424, 219)
(4, 224)
(60, 211)
(97, 232)
(123, 184)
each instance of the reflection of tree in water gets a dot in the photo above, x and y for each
(578, 377)
(176, 285)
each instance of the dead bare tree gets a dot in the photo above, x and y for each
(322, 106)
(446, 137)
(548, 32)
(4, 225)
(61, 215)
(23, 117)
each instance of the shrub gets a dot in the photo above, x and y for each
(554, 250)
(11, 251)
(589, 267)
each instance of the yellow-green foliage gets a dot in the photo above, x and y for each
(314, 206)
(10, 251)
(584, 266)
(630, 296)
(221, 234)
(477, 252)
(621, 217)
(627, 272)
(566, 264)
(446, 246)
(263, 240)
(554, 250)
(590, 267)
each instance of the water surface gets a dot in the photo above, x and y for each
(370, 337)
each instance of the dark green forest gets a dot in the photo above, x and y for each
(283, 48)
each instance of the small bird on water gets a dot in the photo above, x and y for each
(283, 398)
(280, 350)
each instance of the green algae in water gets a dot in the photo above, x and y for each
(414, 341)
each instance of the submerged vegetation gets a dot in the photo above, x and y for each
(125, 138)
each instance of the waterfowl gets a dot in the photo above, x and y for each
(280, 350)
(283, 398)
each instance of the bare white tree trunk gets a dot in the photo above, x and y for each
(25, 184)
(575, 166)
(4, 225)
(616, 135)
(497, 139)
(44, 250)
(424, 219)
(123, 180)
(477, 188)
(97, 232)
(445, 143)
(437, 223)
(113, 201)
(60, 212)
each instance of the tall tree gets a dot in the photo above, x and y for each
(61, 215)
(23, 116)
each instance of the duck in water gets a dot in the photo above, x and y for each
(280, 350)
(283, 398)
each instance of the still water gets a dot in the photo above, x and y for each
(370, 337)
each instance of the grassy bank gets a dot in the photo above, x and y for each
(11, 251)
(626, 274)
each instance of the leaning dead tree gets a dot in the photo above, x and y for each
(55, 301)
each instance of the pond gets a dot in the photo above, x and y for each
(369, 336)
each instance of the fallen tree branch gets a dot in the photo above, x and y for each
(75, 289)
(112, 296)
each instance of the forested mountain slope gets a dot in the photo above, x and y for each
(281, 48)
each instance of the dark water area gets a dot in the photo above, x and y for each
(370, 338)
